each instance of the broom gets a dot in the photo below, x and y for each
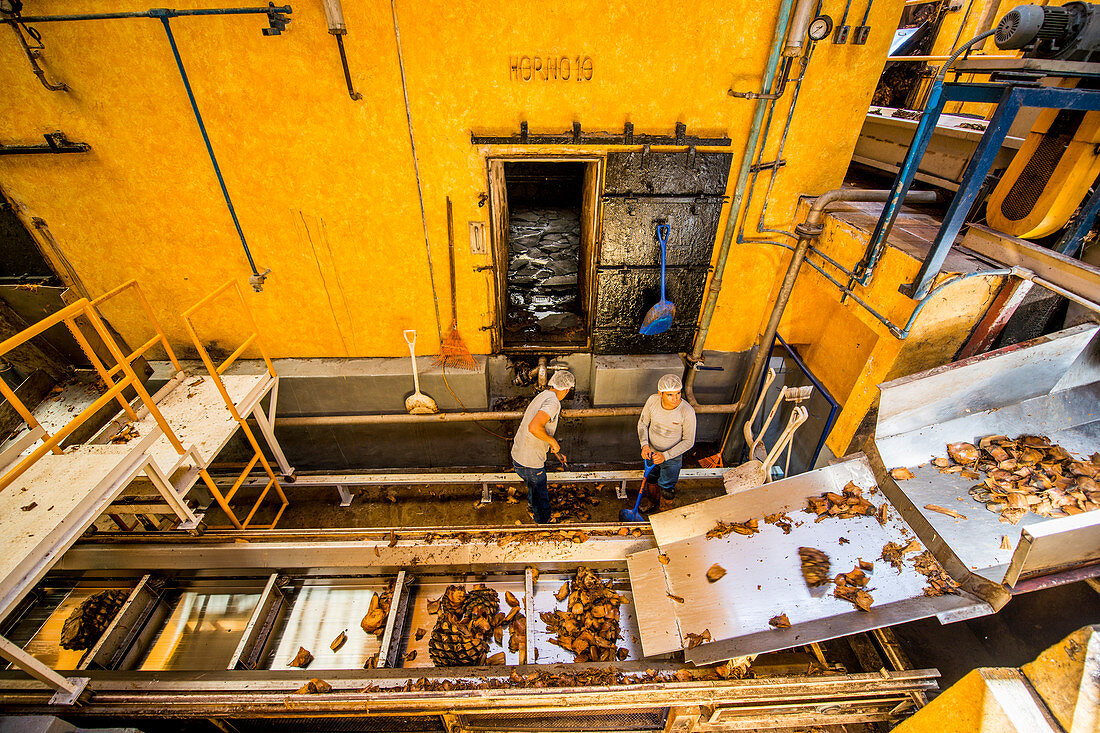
(454, 352)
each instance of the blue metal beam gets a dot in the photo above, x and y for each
(206, 139)
(1009, 100)
(972, 181)
(938, 97)
(151, 13)
(1079, 226)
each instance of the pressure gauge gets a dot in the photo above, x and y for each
(820, 28)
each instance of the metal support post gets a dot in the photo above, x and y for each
(486, 495)
(620, 490)
(1080, 225)
(529, 612)
(1011, 101)
(345, 495)
(395, 621)
(972, 182)
(254, 631)
(267, 429)
(922, 136)
(69, 689)
(188, 519)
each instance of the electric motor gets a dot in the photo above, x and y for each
(1069, 32)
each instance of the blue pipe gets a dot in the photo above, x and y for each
(900, 333)
(164, 15)
(760, 228)
(152, 13)
(206, 139)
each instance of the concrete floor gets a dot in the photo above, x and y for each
(446, 505)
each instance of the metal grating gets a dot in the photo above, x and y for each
(563, 721)
(1029, 185)
(372, 724)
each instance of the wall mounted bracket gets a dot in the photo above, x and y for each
(576, 137)
(34, 53)
(56, 143)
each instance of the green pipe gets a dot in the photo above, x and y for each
(742, 181)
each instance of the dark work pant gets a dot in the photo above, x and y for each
(538, 498)
(666, 475)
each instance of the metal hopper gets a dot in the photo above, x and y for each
(1049, 386)
(763, 572)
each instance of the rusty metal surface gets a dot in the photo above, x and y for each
(640, 189)
(266, 694)
(667, 172)
(628, 235)
(624, 296)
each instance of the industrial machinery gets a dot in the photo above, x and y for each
(1070, 32)
(765, 608)
(710, 605)
(1058, 162)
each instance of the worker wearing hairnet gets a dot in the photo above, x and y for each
(535, 437)
(666, 430)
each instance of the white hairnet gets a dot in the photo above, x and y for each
(669, 383)
(562, 380)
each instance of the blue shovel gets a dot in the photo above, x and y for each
(634, 515)
(659, 318)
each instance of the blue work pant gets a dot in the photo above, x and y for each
(538, 498)
(666, 474)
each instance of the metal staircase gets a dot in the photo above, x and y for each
(157, 446)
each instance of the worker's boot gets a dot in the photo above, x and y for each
(666, 503)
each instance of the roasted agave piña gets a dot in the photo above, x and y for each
(589, 625)
(1025, 474)
(465, 625)
(842, 506)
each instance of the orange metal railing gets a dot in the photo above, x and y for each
(128, 379)
(158, 338)
(216, 370)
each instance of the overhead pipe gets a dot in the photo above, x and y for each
(444, 417)
(735, 202)
(807, 231)
(334, 16)
(277, 21)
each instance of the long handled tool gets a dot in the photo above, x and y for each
(417, 403)
(635, 515)
(454, 351)
(659, 318)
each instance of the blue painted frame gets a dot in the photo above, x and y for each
(1009, 101)
(834, 406)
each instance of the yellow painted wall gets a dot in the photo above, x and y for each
(324, 186)
(850, 350)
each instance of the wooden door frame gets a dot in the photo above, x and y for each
(591, 221)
